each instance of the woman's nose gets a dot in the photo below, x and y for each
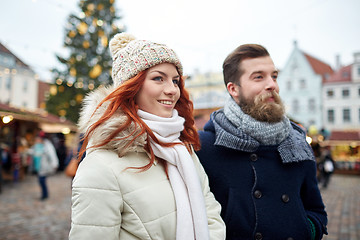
(170, 88)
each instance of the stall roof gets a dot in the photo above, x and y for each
(346, 137)
(51, 122)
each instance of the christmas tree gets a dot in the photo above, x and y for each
(88, 65)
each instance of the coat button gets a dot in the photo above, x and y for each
(258, 236)
(257, 194)
(285, 198)
(253, 157)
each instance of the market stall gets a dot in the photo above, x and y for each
(345, 150)
(18, 128)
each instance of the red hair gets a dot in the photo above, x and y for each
(123, 98)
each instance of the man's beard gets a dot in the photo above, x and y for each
(262, 110)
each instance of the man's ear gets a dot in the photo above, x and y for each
(233, 89)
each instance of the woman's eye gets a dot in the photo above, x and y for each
(176, 81)
(258, 77)
(157, 78)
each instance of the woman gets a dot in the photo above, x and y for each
(45, 161)
(140, 178)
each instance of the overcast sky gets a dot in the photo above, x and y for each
(202, 32)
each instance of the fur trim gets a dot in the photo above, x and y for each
(88, 117)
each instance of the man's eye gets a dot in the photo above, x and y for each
(258, 77)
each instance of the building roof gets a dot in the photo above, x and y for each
(3, 49)
(343, 75)
(319, 67)
(345, 135)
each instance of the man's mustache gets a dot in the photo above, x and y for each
(267, 95)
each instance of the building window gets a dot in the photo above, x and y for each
(331, 116)
(302, 84)
(346, 115)
(288, 86)
(25, 86)
(311, 105)
(295, 106)
(294, 67)
(330, 93)
(8, 83)
(345, 93)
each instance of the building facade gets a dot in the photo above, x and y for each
(18, 82)
(207, 91)
(341, 98)
(300, 83)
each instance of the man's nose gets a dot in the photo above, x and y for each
(271, 83)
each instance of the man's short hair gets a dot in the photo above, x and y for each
(231, 67)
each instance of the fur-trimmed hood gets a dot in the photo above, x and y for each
(88, 117)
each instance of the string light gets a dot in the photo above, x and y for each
(7, 119)
(99, 23)
(95, 71)
(82, 15)
(82, 28)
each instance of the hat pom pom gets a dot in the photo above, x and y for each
(119, 41)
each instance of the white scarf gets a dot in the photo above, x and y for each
(185, 182)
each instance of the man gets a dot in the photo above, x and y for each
(260, 167)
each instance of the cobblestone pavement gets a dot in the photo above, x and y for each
(24, 217)
(342, 201)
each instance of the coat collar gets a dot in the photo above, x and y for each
(89, 116)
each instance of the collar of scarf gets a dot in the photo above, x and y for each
(191, 212)
(293, 148)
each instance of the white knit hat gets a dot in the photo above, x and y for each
(131, 56)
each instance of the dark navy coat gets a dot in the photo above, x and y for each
(261, 196)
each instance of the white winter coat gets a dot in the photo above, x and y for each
(49, 161)
(110, 201)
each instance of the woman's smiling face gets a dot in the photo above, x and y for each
(160, 90)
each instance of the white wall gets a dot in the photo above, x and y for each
(18, 87)
(298, 82)
(338, 103)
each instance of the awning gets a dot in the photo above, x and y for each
(47, 122)
(346, 137)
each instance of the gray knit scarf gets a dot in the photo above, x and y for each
(247, 134)
(265, 133)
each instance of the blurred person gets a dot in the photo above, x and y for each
(61, 151)
(45, 161)
(140, 178)
(3, 159)
(260, 167)
(326, 166)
